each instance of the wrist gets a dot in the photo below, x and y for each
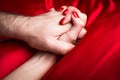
(21, 28)
(12, 26)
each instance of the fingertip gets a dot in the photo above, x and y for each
(62, 8)
(75, 14)
(72, 8)
(78, 21)
(52, 9)
(75, 20)
(62, 21)
(67, 19)
(65, 12)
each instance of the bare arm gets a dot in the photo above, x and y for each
(35, 32)
(35, 68)
(11, 25)
(38, 65)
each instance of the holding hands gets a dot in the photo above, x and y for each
(55, 31)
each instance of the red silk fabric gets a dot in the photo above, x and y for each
(96, 57)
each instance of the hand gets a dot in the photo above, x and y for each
(46, 38)
(40, 58)
(30, 29)
(43, 32)
(78, 20)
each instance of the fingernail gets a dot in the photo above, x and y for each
(75, 14)
(61, 9)
(65, 12)
(62, 20)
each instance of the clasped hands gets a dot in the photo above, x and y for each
(55, 31)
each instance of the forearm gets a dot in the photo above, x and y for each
(11, 25)
(35, 68)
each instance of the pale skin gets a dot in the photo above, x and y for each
(38, 34)
(63, 34)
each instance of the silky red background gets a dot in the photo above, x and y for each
(96, 57)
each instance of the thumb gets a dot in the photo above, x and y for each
(60, 47)
(82, 33)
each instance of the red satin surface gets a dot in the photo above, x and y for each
(96, 57)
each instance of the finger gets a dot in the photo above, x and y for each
(68, 13)
(83, 18)
(63, 28)
(71, 9)
(52, 9)
(73, 33)
(62, 8)
(82, 33)
(70, 36)
(60, 47)
(77, 19)
(67, 19)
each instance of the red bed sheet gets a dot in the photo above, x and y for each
(97, 55)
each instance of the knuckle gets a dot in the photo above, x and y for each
(65, 50)
(71, 7)
(72, 37)
(79, 23)
(84, 16)
(64, 6)
(82, 23)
